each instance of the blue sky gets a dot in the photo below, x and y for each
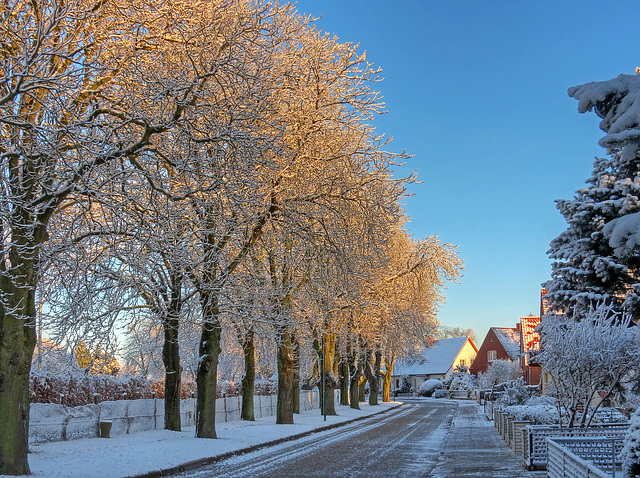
(477, 92)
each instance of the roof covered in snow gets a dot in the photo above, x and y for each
(438, 359)
(510, 340)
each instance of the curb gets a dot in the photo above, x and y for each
(190, 465)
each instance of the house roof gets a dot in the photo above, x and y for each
(509, 339)
(438, 359)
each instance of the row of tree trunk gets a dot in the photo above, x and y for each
(353, 371)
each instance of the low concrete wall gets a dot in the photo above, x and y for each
(52, 422)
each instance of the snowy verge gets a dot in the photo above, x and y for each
(153, 452)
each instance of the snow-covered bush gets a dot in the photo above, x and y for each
(514, 392)
(499, 371)
(429, 386)
(631, 451)
(537, 410)
(461, 379)
(405, 384)
(265, 386)
(80, 389)
(440, 393)
(586, 357)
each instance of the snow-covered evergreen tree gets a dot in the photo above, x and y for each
(592, 264)
(631, 452)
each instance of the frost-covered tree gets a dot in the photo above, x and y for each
(587, 357)
(593, 259)
(461, 379)
(407, 295)
(499, 371)
(449, 332)
(78, 92)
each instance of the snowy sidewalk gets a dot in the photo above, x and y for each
(474, 448)
(148, 453)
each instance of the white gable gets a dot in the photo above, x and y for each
(437, 359)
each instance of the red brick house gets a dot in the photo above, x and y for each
(501, 343)
(529, 342)
(515, 344)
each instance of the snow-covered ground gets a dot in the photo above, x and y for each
(144, 452)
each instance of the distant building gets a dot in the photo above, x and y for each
(529, 344)
(501, 343)
(517, 344)
(439, 361)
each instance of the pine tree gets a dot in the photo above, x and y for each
(587, 267)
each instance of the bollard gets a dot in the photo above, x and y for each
(105, 429)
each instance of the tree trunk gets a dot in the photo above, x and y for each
(344, 382)
(284, 412)
(17, 343)
(18, 339)
(296, 375)
(362, 386)
(386, 379)
(373, 376)
(173, 375)
(317, 370)
(207, 374)
(330, 379)
(354, 380)
(249, 378)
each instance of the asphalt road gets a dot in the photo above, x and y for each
(406, 442)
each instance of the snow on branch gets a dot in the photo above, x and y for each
(617, 102)
(624, 234)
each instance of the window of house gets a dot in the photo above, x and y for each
(463, 362)
(492, 355)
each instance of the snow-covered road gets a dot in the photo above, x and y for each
(403, 442)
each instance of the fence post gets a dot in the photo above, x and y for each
(126, 414)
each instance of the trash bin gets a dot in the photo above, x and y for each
(105, 429)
